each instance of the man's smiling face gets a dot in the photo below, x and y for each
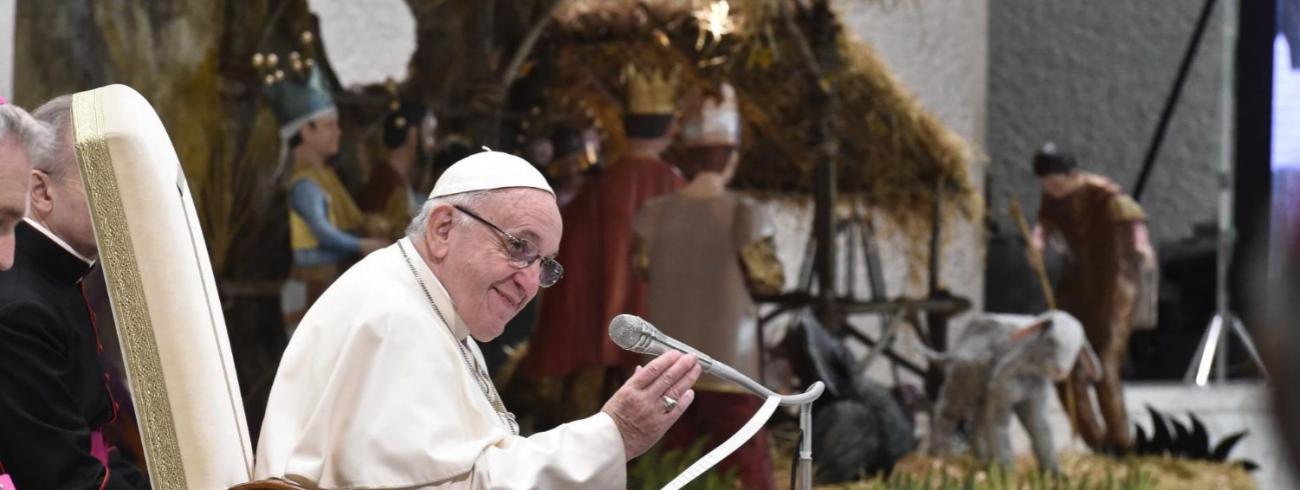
(487, 290)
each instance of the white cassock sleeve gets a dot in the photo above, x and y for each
(373, 392)
(559, 458)
(517, 462)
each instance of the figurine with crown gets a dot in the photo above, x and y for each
(706, 251)
(575, 157)
(323, 219)
(570, 343)
(409, 135)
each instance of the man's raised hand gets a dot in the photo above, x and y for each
(641, 408)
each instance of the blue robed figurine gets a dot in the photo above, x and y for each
(323, 218)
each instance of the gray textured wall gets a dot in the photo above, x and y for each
(1094, 76)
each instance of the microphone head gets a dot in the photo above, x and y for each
(630, 330)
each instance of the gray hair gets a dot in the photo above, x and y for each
(35, 137)
(465, 199)
(61, 160)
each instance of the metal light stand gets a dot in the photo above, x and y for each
(1213, 348)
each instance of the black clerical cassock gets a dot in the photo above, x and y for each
(54, 397)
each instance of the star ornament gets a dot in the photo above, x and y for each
(715, 22)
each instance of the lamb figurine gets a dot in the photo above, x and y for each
(1004, 364)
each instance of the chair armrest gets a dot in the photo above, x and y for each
(270, 484)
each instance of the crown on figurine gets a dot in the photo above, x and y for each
(299, 95)
(573, 152)
(394, 104)
(650, 92)
(713, 120)
(402, 116)
(651, 102)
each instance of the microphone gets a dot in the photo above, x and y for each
(637, 335)
(633, 333)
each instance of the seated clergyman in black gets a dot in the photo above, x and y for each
(54, 397)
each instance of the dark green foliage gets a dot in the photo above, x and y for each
(1200, 441)
(1225, 446)
(656, 468)
(1191, 442)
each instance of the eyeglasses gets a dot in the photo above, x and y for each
(522, 253)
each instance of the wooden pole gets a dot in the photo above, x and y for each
(511, 71)
(1035, 259)
(818, 54)
(526, 46)
(936, 322)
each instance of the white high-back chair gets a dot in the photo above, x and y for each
(163, 294)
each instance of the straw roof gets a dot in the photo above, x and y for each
(892, 153)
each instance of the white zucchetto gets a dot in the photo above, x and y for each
(488, 170)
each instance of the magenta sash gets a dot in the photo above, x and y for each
(98, 448)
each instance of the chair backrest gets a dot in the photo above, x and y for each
(163, 294)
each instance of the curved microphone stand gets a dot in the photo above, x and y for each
(634, 334)
(802, 400)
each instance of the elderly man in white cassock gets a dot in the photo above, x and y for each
(382, 386)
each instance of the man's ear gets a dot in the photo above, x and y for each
(437, 230)
(41, 194)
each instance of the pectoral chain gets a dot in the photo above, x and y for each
(480, 375)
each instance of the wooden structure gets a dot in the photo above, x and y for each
(821, 115)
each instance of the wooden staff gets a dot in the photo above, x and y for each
(1036, 261)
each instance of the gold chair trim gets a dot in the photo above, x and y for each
(125, 287)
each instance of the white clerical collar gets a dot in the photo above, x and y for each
(54, 238)
(439, 293)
